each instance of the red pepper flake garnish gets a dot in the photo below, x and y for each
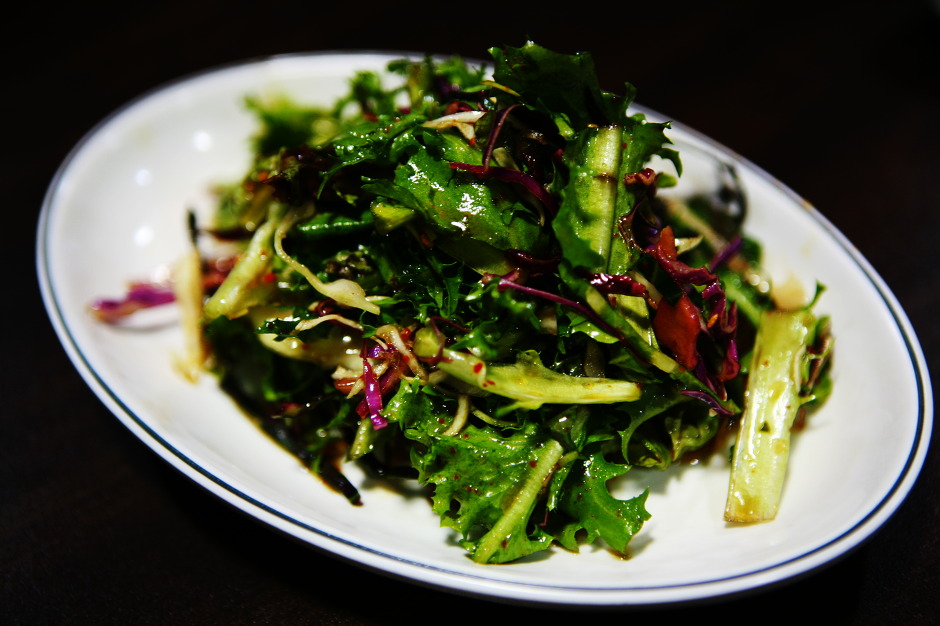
(645, 177)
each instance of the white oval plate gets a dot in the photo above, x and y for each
(116, 211)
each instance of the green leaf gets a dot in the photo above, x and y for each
(680, 426)
(598, 513)
(558, 84)
(487, 486)
(473, 220)
(286, 124)
(500, 322)
(425, 282)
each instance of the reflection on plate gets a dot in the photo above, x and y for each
(116, 212)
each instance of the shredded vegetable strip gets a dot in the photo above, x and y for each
(344, 291)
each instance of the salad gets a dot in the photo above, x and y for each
(473, 278)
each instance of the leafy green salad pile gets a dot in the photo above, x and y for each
(467, 277)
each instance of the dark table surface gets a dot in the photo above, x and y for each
(840, 100)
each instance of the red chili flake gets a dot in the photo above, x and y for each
(646, 177)
(477, 368)
(343, 385)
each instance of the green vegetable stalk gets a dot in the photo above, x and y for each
(520, 508)
(588, 220)
(527, 381)
(780, 368)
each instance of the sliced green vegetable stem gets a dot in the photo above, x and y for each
(772, 402)
(527, 381)
(523, 502)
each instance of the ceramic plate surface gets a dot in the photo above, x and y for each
(116, 212)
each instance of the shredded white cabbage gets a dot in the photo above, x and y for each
(345, 292)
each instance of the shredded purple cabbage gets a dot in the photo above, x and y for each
(720, 320)
(373, 392)
(617, 284)
(139, 296)
(512, 176)
(733, 247)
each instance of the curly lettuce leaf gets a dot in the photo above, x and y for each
(564, 87)
(594, 512)
(487, 486)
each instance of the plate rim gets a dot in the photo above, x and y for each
(409, 569)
